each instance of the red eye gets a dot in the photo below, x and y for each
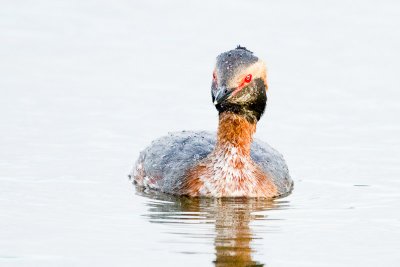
(214, 76)
(248, 78)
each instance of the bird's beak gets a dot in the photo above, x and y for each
(221, 95)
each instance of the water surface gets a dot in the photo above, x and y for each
(85, 85)
(227, 223)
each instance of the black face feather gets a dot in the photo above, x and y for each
(251, 110)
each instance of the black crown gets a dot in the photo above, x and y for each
(243, 48)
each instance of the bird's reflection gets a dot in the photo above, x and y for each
(231, 217)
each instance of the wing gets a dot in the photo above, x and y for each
(273, 164)
(163, 164)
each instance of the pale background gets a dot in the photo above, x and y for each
(85, 85)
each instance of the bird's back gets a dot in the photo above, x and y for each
(163, 164)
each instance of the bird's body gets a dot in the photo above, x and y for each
(226, 164)
(164, 164)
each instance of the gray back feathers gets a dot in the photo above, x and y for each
(168, 158)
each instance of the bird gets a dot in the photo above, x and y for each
(230, 162)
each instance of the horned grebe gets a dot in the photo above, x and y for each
(229, 163)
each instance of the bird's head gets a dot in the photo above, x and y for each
(239, 84)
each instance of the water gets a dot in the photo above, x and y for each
(225, 224)
(86, 85)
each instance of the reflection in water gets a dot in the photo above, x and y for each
(231, 216)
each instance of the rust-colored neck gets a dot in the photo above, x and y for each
(235, 130)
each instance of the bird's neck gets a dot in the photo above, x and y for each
(235, 131)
